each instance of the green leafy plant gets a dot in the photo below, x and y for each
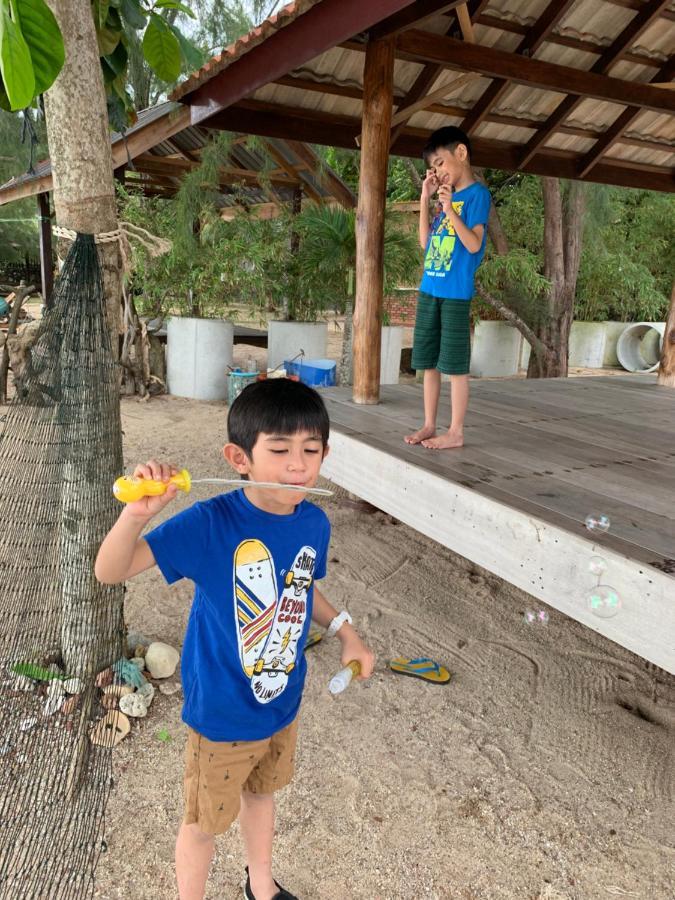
(32, 52)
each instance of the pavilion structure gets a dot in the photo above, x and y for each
(577, 89)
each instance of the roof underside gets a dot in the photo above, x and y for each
(556, 88)
(162, 147)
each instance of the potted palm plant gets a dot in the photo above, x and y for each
(327, 266)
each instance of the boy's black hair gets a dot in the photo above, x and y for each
(276, 406)
(446, 138)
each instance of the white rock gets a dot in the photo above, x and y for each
(53, 704)
(55, 689)
(170, 687)
(138, 661)
(147, 692)
(27, 724)
(134, 705)
(23, 683)
(73, 686)
(161, 660)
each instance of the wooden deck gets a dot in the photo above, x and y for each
(539, 457)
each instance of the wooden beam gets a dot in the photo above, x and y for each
(46, 261)
(318, 29)
(615, 132)
(415, 14)
(168, 165)
(314, 126)
(27, 188)
(421, 46)
(666, 375)
(407, 112)
(355, 93)
(378, 83)
(421, 85)
(324, 174)
(532, 40)
(279, 158)
(612, 54)
(637, 26)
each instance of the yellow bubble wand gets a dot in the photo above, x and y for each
(129, 488)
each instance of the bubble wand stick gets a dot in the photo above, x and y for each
(129, 489)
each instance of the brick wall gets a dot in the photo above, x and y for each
(401, 308)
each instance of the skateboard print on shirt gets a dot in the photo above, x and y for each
(269, 627)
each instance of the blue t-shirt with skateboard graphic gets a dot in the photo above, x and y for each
(243, 666)
(449, 268)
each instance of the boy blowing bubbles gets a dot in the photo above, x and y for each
(254, 555)
(454, 245)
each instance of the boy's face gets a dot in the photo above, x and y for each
(283, 459)
(448, 165)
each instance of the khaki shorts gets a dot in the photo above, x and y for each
(216, 772)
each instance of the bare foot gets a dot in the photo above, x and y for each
(417, 437)
(448, 441)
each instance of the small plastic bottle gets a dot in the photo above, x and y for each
(341, 681)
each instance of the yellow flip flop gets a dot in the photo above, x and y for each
(313, 638)
(423, 668)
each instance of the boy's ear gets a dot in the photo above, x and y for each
(462, 152)
(326, 451)
(237, 458)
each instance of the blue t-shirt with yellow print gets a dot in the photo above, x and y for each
(449, 268)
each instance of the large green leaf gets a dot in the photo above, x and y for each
(16, 65)
(161, 49)
(100, 12)
(192, 55)
(174, 4)
(118, 59)
(107, 40)
(133, 14)
(43, 37)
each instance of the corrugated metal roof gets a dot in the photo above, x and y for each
(594, 23)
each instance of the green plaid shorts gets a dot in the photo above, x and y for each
(442, 335)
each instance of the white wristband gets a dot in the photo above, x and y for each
(337, 623)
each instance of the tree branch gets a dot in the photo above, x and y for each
(537, 345)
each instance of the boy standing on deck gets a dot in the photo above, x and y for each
(454, 245)
(254, 555)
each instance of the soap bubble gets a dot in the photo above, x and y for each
(604, 602)
(597, 565)
(598, 524)
(535, 617)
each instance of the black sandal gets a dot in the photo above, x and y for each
(282, 893)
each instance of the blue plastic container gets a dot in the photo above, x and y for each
(314, 372)
(236, 382)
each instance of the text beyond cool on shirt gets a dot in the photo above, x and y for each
(291, 610)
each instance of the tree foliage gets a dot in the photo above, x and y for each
(627, 261)
(31, 49)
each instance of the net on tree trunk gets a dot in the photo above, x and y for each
(60, 450)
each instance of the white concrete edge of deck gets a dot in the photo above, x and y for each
(544, 560)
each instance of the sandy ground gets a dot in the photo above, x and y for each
(543, 770)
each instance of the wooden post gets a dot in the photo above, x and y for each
(375, 128)
(667, 366)
(46, 260)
